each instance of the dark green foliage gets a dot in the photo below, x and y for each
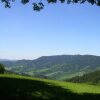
(62, 1)
(24, 89)
(24, 1)
(2, 69)
(38, 7)
(52, 1)
(92, 78)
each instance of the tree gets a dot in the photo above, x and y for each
(39, 5)
(2, 69)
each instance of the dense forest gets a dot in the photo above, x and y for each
(91, 78)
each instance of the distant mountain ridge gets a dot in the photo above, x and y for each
(57, 67)
(4, 60)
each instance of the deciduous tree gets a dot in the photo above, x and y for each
(39, 4)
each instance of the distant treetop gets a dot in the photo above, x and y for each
(39, 4)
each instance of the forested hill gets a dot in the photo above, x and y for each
(92, 78)
(57, 67)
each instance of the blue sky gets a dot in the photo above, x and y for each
(57, 29)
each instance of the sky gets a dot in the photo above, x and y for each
(56, 30)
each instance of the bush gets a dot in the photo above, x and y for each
(2, 69)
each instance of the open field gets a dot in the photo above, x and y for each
(21, 87)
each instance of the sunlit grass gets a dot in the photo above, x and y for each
(75, 87)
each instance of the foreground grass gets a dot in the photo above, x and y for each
(21, 87)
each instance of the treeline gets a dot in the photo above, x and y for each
(92, 78)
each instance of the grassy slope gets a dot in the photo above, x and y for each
(15, 86)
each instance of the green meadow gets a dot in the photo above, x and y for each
(22, 87)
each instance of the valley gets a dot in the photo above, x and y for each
(58, 67)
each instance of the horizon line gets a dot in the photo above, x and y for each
(3, 59)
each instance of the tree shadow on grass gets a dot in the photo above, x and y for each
(11, 88)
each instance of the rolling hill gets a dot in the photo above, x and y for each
(57, 67)
(90, 78)
(28, 88)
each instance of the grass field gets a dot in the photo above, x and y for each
(22, 87)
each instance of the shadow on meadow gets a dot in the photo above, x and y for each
(11, 88)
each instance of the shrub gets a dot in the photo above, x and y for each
(2, 69)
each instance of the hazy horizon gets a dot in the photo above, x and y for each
(46, 56)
